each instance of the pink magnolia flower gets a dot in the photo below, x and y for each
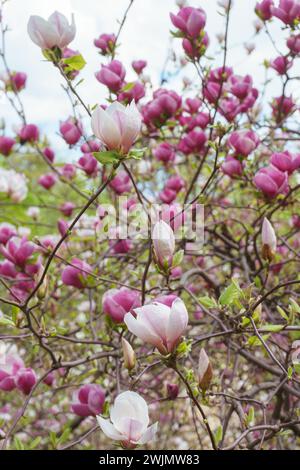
(118, 126)
(76, 274)
(112, 75)
(195, 48)
(25, 380)
(282, 107)
(192, 105)
(121, 246)
(167, 195)
(49, 154)
(6, 145)
(18, 250)
(49, 379)
(90, 146)
(189, 21)
(293, 43)
(176, 183)
(192, 142)
(7, 231)
(121, 183)
(88, 400)
(288, 11)
(284, 161)
(54, 32)
(71, 131)
(167, 299)
(15, 81)
(29, 133)
(135, 93)
(106, 43)
(243, 142)
(164, 152)
(88, 164)
(165, 104)
(281, 64)
(62, 226)
(263, 9)
(117, 302)
(68, 171)
(271, 181)
(67, 208)
(138, 66)
(232, 167)
(128, 421)
(172, 214)
(159, 325)
(10, 363)
(240, 86)
(47, 181)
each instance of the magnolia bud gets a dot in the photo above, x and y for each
(268, 240)
(205, 372)
(128, 355)
(172, 391)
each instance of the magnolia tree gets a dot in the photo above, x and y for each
(150, 284)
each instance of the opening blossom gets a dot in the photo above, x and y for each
(159, 325)
(117, 126)
(129, 421)
(56, 31)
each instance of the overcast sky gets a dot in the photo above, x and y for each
(145, 36)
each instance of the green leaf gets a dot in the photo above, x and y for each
(207, 302)
(250, 416)
(6, 322)
(273, 328)
(128, 86)
(136, 153)
(218, 434)
(18, 444)
(282, 313)
(35, 443)
(255, 341)
(76, 62)
(294, 307)
(290, 372)
(178, 257)
(108, 157)
(230, 294)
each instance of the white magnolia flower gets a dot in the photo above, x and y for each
(54, 32)
(129, 421)
(117, 126)
(158, 324)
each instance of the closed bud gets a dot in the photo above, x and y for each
(128, 355)
(268, 240)
(205, 372)
(172, 391)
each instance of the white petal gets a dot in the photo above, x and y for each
(129, 405)
(109, 429)
(41, 32)
(142, 331)
(105, 128)
(178, 321)
(149, 434)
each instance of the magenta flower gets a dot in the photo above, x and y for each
(112, 75)
(88, 400)
(243, 142)
(76, 274)
(117, 302)
(71, 131)
(6, 145)
(189, 21)
(271, 181)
